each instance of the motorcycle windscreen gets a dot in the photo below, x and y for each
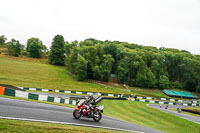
(81, 102)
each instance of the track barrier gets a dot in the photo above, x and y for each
(162, 102)
(74, 92)
(107, 94)
(26, 95)
(23, 94)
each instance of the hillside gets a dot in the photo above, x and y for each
(37, 73)
(28, 72)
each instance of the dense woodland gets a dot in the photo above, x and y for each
(135, 65)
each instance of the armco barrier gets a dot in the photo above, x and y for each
(107, 94)
(11, 92)
(164, 99)
(151, 101)
(161, 102)
(74, 92)
(21, 94)
(159, 98)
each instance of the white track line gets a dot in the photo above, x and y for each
(66, 123)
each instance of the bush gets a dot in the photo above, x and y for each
(176, 85)
(25, 53)
(190, 85)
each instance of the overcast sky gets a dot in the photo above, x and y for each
(160, 23)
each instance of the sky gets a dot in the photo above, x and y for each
(160, 23)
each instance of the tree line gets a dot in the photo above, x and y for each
(34, 47)
(133, 64)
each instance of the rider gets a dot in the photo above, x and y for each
(91, 103)
(91, 100)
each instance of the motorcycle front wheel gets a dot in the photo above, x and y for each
(77, 114)
(97, 116)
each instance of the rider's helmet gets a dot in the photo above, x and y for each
(90, 96)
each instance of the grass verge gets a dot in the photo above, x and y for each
(139, 113)
(18, 126)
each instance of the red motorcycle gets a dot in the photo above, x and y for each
(89, 111)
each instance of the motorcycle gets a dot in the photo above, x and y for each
(89, 111)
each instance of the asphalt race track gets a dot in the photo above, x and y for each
(47, 112)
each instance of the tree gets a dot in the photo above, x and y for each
(122, 70)
(11, 47)
(91, 54)
(96, 72)
(56, 56)
(2, 40)
(35, 50)
(155, 68)
(145, 78)
(81, 68)
(191, 85)
(71, 59)
(89, 71)
(70, 46)
(173, 62)
(106, 67)
(151, 79)
(14, 48)
(198, 87)
(87, 42)
(111, 48)
(17, 50)
(141, 75)
(163, 82)
(31, 40)
(34, 47)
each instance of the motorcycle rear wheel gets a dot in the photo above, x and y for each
(97, 116)
(77, 114)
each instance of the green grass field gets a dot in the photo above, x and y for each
(17, 126)
(139, 113)
(28, 73)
